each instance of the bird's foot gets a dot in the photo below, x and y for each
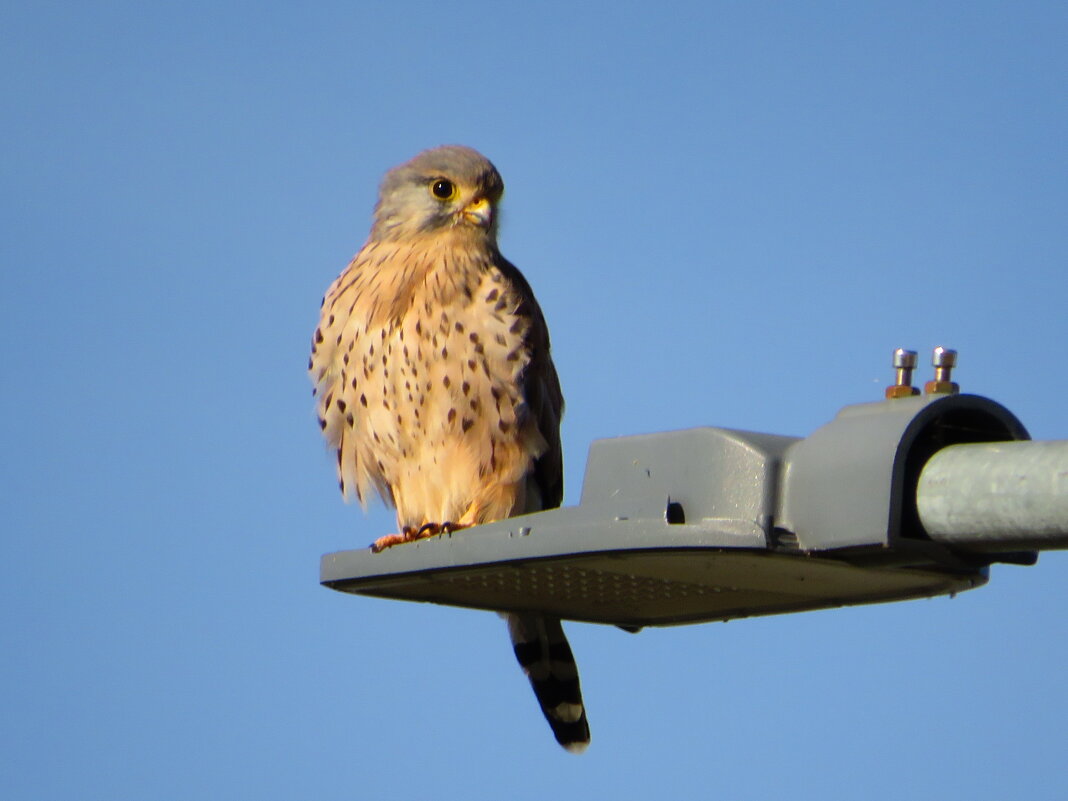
(411, 534)
(408, 533)
(432, 529)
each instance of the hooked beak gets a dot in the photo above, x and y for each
(479, 212)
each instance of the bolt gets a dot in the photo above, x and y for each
(904, 363)
(944, 360)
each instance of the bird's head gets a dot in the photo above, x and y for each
(447, 188)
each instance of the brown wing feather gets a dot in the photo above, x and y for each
(543, 394)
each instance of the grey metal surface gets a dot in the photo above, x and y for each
(996, 496)
(703, 488)
(566, 532)
(672, 528)
(712, 524)
(648, 586)
(851, 483)
(717, 475)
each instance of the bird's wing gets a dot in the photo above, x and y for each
(543, 396)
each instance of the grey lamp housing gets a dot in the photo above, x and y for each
(713, 524)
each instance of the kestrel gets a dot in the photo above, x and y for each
(435, 384)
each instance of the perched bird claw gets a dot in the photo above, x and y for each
(407, 535)
(411, 534)
(387, 541)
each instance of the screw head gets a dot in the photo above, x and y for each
(904, 358)
(944, 357)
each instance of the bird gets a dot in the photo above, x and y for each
(435, 385)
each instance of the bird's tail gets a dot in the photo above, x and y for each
(545, 656)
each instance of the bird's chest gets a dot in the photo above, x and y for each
(448, 371)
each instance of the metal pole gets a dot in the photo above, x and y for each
(997, 496)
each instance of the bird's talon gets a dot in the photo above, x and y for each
(387, 541)
(408, 533)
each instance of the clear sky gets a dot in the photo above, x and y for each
(731, 213)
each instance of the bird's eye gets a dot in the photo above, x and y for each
(443, 189)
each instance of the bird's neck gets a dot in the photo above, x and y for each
(436, 269)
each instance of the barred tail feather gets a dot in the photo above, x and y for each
(545, 656)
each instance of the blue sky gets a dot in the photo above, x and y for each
(731, 213)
